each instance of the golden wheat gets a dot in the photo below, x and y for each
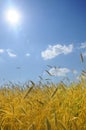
(51, 107)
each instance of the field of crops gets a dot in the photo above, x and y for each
(45, 107)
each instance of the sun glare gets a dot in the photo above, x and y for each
(13, 16)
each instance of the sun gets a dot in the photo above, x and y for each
(12, 16)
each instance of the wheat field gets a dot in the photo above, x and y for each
(45, 107)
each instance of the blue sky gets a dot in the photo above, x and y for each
(50, 32)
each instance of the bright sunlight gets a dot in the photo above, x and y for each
(12, 16)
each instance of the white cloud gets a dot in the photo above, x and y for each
(78, 77)
(53, 51)
(11, 53)
(84, 54)
(59, 71)
(74, 71)
(1, 50)
(27, 54)
(83, 45)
